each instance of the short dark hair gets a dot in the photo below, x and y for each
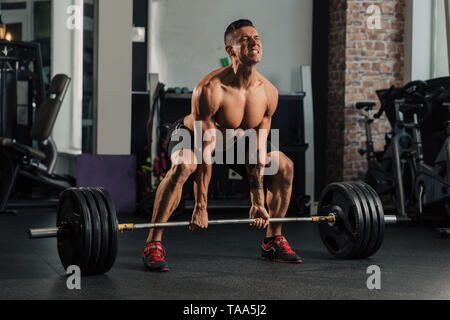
(236, 26)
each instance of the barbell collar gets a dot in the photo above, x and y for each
(43, 233)
(396, 219)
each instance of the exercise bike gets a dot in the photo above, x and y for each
(432, 185)
(391, 172)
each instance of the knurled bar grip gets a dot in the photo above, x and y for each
(130, 227)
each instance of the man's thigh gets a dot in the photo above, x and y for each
(179, 150)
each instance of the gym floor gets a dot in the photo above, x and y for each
(223, 263)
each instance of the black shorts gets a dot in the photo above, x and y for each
(172, 143)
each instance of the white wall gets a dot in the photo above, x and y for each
(114, 71)
(67, 55)
(187, 38)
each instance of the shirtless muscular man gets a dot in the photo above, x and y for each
(234, 97)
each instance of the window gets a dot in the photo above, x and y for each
(42, 29)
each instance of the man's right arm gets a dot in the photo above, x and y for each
(205, 103)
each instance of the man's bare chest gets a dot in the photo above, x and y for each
(242, 110)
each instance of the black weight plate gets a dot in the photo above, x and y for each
(104, 226)
(381, 224)
(373, 217)
(74, 240)
(366, 215)
(344, 237)
(113, 230)
(96, 231)
(86, 230)
(374, 201)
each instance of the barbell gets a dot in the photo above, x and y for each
(351, 225)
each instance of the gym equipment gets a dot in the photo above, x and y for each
(401, 166)
(391, 171)
(8, 94)
(36, 164)
(22, 89)
(359, 208)
(352, 225)
(432, 183)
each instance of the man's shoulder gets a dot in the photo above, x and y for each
(212, 81)
(268, 86)
(271, 93)
(209, 89)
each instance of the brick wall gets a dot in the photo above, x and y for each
(361, 61)
(336, 88)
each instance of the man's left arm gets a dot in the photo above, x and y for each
(255, 172)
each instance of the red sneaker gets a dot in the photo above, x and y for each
(279, 250)
(154, 257)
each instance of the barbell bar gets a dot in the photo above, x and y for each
(53, 232)
(351, 224)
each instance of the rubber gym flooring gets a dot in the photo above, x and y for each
(223, 263)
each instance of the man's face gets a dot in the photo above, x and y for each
(247, 47)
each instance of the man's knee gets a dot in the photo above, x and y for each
(286, 170)
(179, 173)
